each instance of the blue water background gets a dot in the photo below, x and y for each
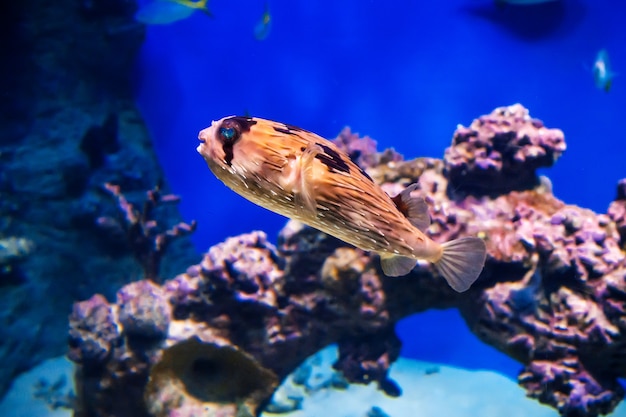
(405, 73)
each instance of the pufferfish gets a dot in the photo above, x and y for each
(305, 177)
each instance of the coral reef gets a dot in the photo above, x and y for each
(552, 294)
(68, 124)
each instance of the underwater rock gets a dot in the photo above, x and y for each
(368, 359)
(67, 74)
(93, 331)
(500, 152)
(202, 378)
(552, 294)
(143, 310)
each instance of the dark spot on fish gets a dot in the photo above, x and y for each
(303, 148)
(365, 174)
(294, 128)
(286, 131)
(228, 154)
(245, 123)
(332, 159)
(230, 132)
(354, 157)
(289, 129)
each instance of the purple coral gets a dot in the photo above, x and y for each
(362, 150)
(143, 310)
(369, 358)
(501, 152)
(552, 294)
(93, 331)
(617, 212)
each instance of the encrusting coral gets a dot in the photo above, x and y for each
(552, 294)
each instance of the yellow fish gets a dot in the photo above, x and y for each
(303, 176)
(263, 27)
(164, 12)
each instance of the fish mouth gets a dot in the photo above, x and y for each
(204, 136)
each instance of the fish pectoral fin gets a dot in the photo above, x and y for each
(304, 196)
(414, 209)
(462, 262)
(396, 266)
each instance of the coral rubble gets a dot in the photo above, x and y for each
(552, 294)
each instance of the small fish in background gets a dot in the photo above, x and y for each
(602, 73)
(164, 12)
(303, 176)
(263, 27)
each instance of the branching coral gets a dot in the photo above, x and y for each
(552, 294)
(147, 240)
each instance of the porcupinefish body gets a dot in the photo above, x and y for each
(303, 176)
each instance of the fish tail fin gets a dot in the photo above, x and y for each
(462, 262)
(203, 5)
(396, 266)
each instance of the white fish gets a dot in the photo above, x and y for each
(602, 73)
(164, 12)
(305, 177)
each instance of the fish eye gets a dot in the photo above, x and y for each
(230, 131)
(227, 133)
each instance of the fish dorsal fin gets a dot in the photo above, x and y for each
(414, 209)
